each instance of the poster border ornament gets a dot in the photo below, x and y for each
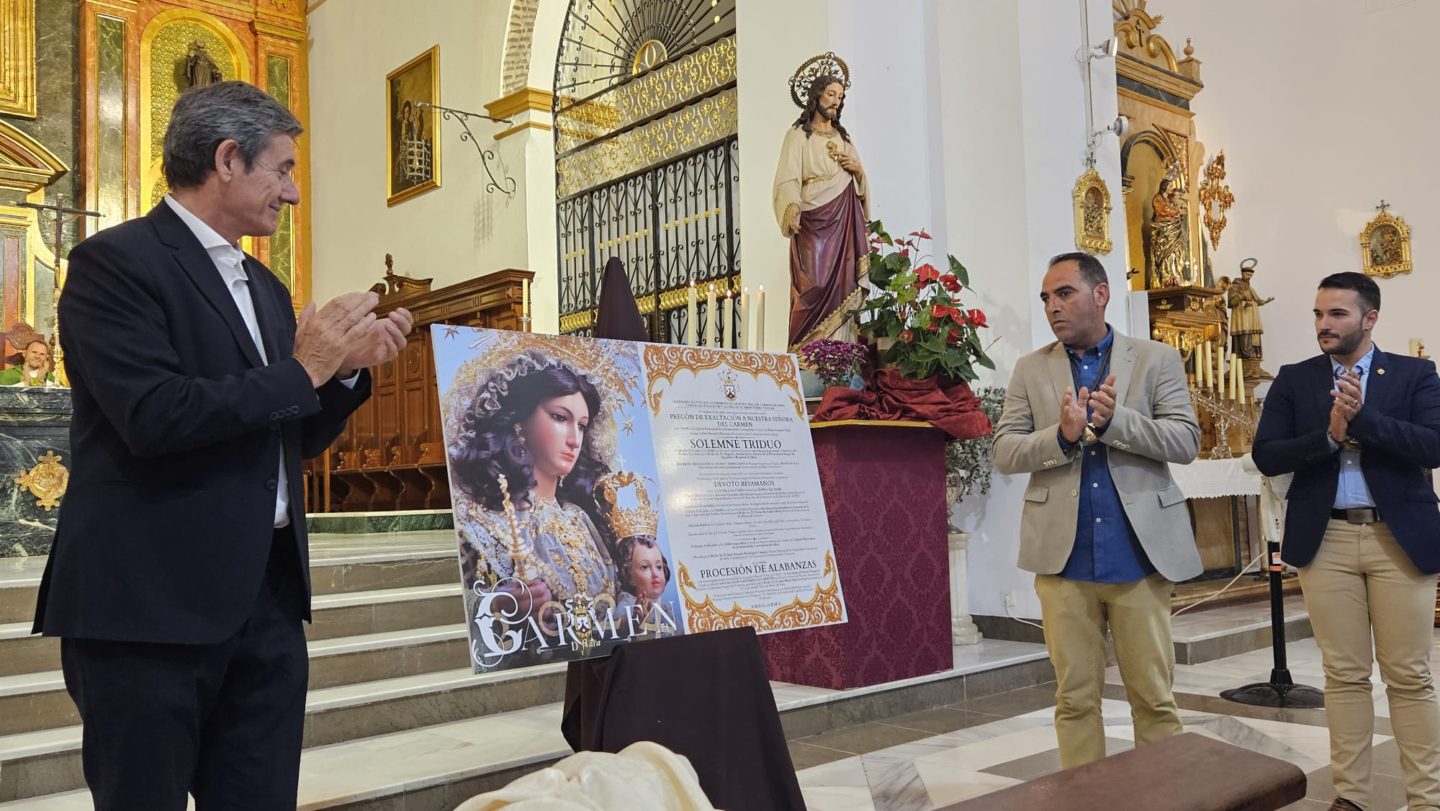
(823, 607)
(665, 361)
(1386, 220)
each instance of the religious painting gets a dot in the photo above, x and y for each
(412, 144)
(611, 492)
(1385, 245)
(1092, 213)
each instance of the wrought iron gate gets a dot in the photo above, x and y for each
(671, 225)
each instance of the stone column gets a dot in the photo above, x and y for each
(962, 628)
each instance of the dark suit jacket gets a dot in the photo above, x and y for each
(166, 527)
(1399, 432)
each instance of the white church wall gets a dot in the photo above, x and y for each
(1014, 132)
(453, 233)
(1322, 110)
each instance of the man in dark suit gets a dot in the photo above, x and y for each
(179, 574)
(1360, 428)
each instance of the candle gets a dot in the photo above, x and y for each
(691, 318)
(710, 315)
(1240, 383)
(525, 305)
(727, 322)
(759, 316)
(744, 315)
(1204, 382)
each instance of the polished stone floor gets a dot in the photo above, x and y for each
(929, 759)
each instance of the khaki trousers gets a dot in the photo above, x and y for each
(1076, 615)
(1361, 582)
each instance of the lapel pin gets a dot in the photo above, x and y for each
(1379, 371)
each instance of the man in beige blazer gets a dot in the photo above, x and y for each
(1095, 418)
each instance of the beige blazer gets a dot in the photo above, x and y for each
(1154, 424)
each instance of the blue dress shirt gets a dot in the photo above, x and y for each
(1351, 491)
(1106, 548)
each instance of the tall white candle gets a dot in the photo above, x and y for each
(692, 322)
(710, 315)
(525, 305)
(727, 321)
(1240, 383)
(743, 314)
(1205, 369)
(759, 317)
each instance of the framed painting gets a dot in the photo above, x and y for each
(412, 145)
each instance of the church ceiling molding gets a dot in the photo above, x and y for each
(25, 164)
(17, 58)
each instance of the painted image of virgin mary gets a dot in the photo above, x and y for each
(527, 460)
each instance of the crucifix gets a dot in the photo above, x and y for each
(59, 212)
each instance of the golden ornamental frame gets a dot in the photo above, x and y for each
(1094, 239)
(1215, 195)
(393, 130)
(1385, 245)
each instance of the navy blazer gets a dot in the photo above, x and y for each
(1399, 433)
(175, 438)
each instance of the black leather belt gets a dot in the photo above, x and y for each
(1358, 515)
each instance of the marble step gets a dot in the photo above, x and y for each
(336, 615)
(341, 570)
(436, 767)
(31, 702)
(48, 761)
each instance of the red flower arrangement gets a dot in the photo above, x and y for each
(917, 311)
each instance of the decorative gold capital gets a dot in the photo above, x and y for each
(46, 481)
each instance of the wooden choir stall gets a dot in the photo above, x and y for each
(392, 454)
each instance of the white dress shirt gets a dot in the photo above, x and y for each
(230, 262)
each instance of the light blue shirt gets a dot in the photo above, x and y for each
(1351, 491)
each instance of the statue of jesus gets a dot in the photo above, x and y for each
(822, 203)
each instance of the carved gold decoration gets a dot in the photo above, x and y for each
(708, 69)
(1092, 213)
(575, 321)
(651, 52)
(665, 361)
(25, 164)
(46, 481)
(17, 58)
(698, 125)
(524, 100)
(823, 607)
(1147, 57)
(1216, 198)
(164, 45)
(1385, 244)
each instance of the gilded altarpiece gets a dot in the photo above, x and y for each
(140, 55)
(1161, 164)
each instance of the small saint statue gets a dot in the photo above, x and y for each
(1245, 304)
(1167, 236)
(200, 69)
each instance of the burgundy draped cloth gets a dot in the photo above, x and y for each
(618, 317)
(889, 395)
(824, 260)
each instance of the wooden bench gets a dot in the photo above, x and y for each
(1188, 772)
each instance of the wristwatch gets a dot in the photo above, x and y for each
(1088, 436)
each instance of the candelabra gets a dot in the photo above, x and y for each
(1225, 413)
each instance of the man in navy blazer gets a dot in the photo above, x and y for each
(179, 577)
(1360, 429)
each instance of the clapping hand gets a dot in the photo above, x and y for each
(1102, 403)
(1347, 402)
(1072, 414)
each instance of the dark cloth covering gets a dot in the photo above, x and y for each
(618, 316)
(704, 696)
(952, 407)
